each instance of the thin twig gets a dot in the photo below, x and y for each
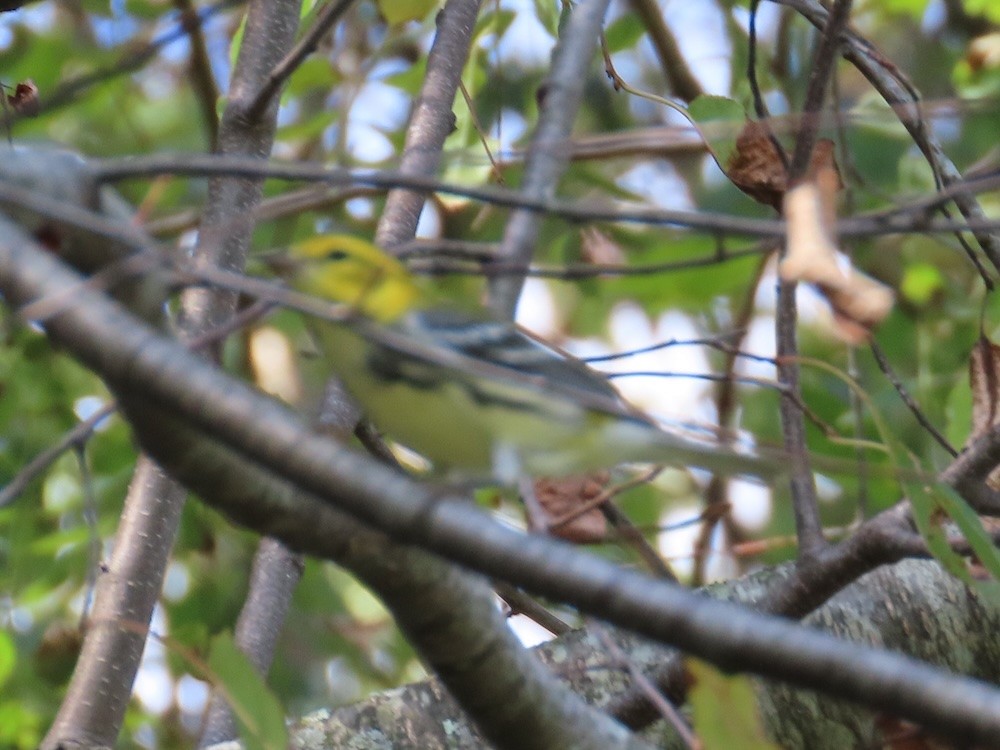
(202, 165)
(716, 494)
(327, 17)
(521, 603)
(40, 463)
(819, 77)
(759, 105)
(630, 534)
(132, 59)
(665, 708)
(200, 65)
(78, 435)
(805, 505)
(911, 404)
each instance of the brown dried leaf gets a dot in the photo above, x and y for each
(57, 653)
(561, 497)
(25, 98)
(597, 248)
(756, 168)
(859, 302)
(902, 735)
(984, 380)
(824, 160)
(824, 172)
(984, 52)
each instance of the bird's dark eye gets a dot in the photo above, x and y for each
(336, 255)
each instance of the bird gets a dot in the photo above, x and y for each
(481, 398)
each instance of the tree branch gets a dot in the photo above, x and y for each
(432, 119)
(560, 99)
(880, 607)
(808, 525)
(134, 361)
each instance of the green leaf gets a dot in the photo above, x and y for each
(493, 21)
(914, 8)
(719, 119)
(915, 174)
(969, 524)
(234, 50)
(624, 33)
(958, 407)
(20, 726)
(257, 711)
(401, 11)
(547, 13)
(932, 504)
(986, 8)
(921, 281)
(928, 517)
(8, 656)
(725, 710)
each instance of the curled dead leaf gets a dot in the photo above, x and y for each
(824, 172)
(984, 380)
(561, 498)
(756, 167)
(25, 98)
(598, 248)
(903, 735)
(859, 302)
(984, 52)
(57, 653)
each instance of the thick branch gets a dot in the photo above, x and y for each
(547, 157)
(136, 361)
(880, 607)
(101, 684)
(432, 119)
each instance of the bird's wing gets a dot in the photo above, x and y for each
(481, 348)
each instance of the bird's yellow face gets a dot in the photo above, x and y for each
(354, 272)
